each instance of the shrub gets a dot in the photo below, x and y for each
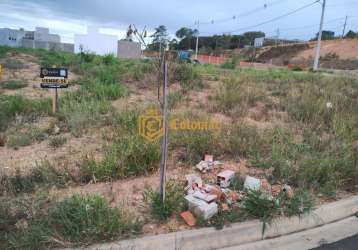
(57, 141)
(230, 63)
(13, 85)
(16, 184)
(45, 173)
(21, 136)
(187, 76)
(303, 202)
(260, 205)
(173, 203)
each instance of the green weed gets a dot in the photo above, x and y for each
(57, 141)
(13, 84)
(10, 106)
(174, 200)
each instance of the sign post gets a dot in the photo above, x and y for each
(54, 78)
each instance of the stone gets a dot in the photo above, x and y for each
(252, 183)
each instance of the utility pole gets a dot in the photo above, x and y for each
(344, 27)
(197, 41)
(318, 48)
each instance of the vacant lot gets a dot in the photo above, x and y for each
(85, 175)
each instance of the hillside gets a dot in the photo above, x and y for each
(335, 54)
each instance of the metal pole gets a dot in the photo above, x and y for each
(318, 49)
(344, 27)
(164, 147)
(197, 42)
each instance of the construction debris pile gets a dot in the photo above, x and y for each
(204, 199)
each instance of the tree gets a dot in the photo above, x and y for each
(160, 38)
(186, 36)
(351, 34)
(250, 36)
(173, 44)
(326, 35)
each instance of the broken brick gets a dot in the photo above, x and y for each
(275, 190)
(188, 217)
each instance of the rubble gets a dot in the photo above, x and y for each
(252, 183)
(201, 208)
(207, 164)
(204, 196)
(224, 178)
(193, 182)
(204, 199)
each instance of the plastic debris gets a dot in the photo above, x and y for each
(224, 178)
(188, 218)
(252, 183)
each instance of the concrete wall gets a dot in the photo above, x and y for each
(11, 37)
(28, 43)
(97, 43)
(43, 35)
(128, 49)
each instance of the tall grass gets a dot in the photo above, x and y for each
(74, 221)
(11, 106)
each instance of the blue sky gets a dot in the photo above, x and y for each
(67, 17)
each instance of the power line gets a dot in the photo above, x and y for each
(276, 18)
(244, 14)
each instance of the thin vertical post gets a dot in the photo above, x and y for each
(344, 27)
(164, 147)
(197, 42)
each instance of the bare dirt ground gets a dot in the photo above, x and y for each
(345, 49)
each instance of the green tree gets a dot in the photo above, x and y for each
(186, 36)
(160, 38)
(326, 35)
(351, 34)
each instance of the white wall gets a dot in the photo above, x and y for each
(95, 42)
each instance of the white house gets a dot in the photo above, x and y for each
(96, 42)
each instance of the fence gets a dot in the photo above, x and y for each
(212, 59)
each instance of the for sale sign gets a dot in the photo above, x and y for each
(54, 77)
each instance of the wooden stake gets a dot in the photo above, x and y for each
(55, 102)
